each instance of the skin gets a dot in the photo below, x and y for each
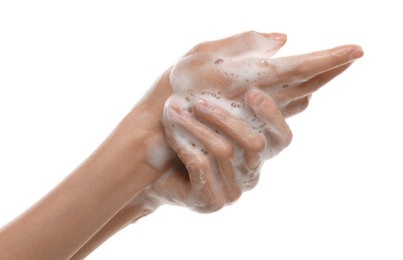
(118, 183)
(319, 68)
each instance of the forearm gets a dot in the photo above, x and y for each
(122, 219)
(128, 215)
(60, 223)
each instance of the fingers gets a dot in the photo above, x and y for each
(244, 42)
(204, 154)
(234, 128)
(276, 126)
(202, 193)
(288, 95)
(303, 67)
(184, 144)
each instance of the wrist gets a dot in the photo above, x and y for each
(143, 130)
(143, 204)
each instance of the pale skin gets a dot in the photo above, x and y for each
(117, 185)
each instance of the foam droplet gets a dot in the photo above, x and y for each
(218, 61)
(264, 63)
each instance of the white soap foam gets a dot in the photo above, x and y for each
(159, 153)
(221, 78)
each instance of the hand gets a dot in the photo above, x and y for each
(221, 157)
(227, 69)
(227, 152)
(230, 67)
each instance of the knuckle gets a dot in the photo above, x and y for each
(297, 107)
(283, 139)
(257, 144)
(210, 205)
(225, 150)
(233, 196)
(222, 149)
(216, 205)
(198, 164)
(287, 137)
(304, 103)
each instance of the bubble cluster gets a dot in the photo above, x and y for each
(200, 148)
(212, 93)
(236, 105)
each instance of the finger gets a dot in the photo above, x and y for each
(206, 142)
(303, 67)
(202, 193)
(307, 88)
(265, 109)
(181, 142)
(234, 128)
(295, 107)
(238, 44)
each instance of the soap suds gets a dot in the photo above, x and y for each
(159, 153)
(222, 78)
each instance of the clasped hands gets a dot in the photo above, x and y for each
(197, 139)
(225, 115)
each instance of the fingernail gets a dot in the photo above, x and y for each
(357, 52)
(280, 36)
(352, 51)
(256, 97)
(203, 105)
(203, 102)
(176, 110)
(275, 36)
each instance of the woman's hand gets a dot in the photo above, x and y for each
(220, 153)
(230, 67)
(221, 157)
(227, 69)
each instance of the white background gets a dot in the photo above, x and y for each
(70, 70)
